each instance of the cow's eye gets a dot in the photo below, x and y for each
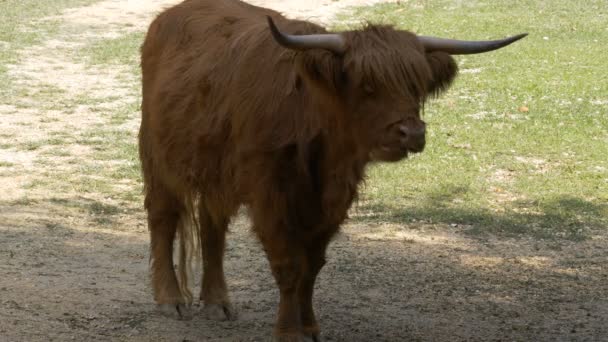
(368, 89)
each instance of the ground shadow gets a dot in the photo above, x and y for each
(558, 217)
(76, 279)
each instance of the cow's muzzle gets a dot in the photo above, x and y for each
(413, 138)
(399, 140)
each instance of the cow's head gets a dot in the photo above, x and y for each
(380, 78)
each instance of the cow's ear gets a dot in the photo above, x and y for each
(444, 69)
(321, 69)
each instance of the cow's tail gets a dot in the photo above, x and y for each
(189, 254)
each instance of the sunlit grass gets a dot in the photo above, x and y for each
(518, 145)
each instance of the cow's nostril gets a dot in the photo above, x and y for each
(404, 130)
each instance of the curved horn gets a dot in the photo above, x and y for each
(330, 41)
(464, 47)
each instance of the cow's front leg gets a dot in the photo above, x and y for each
(287, 261)
(315, 259)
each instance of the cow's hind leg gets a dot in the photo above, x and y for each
(214, 293)
(164, 211)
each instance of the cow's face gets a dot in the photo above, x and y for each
(380, 97)
(385, 87)
(389, 125)
(380, 84)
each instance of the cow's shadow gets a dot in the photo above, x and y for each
(566, 217)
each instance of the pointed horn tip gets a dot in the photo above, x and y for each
(512, 39)
(278, 36)
(519, 36)
(328, 41)
(270, 22)
(274, 29)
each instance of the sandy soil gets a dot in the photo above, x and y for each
(71, 271)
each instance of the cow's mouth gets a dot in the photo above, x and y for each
(388, 153)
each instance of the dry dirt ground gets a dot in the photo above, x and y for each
(74, 262)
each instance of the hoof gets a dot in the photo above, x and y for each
(296, 338)
(307, 339)
(312, 338)
(312, 333)
(176, 311)
(219, 312)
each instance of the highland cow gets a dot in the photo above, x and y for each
(243, 107)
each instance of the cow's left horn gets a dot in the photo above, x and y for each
(465, 47)
(330, 41)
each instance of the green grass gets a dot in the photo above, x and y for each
(123, 50)
(543, 172)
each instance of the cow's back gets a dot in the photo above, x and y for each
(215, 84)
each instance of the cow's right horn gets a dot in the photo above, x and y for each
(330, 41)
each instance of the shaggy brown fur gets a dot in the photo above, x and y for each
(232, 118)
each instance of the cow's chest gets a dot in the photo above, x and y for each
(339, 193)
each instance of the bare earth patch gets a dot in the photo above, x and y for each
(74, 255)
(320, 11)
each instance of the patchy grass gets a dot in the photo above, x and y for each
(518, 145)
(17, 30)
(95, 158)
(491, 165)
(123, 50)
